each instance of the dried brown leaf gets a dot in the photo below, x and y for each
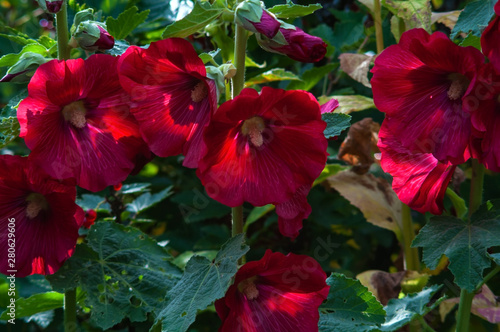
(356, 66)
(360, 144)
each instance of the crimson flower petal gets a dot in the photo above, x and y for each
(419, 179)
(422, 84)
(275, 294)
(263, 148)
(77, 123)
(173, 98)
(45, 216)
(490, 37)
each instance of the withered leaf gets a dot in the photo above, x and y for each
(360, 144)
(356, 66)
(373, 196)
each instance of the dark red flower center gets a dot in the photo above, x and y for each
(248, 288)
(253, 128)
(458, 86)
(199, 92)
(74, 113)
(36, 203)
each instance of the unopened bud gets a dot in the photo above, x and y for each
(91, 36)
(251, 15)
(51, 6)
(228, 70)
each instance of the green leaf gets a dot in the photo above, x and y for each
(465, 244)
(19, 39)
(94, 202)
(9, 125)
(11, 58)
(124, 272)
(147, 200)
(415, 13)
(353, 103)
(402, 311)
(335, 123)
(202, 14)
(135, 188)
(275, 74)
(471, 40)
(474, 18)
(46, 41)
(35, 304)
(291, 10)
(257, 213)
(203, 282)
(250, 63)
(328, 171)
(210, 56)
(119, 48)
(349, 307)
(126, 22)
(311, 77)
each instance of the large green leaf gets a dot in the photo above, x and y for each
(272, 75)
(9, 126)
(465, 244)
(415, 13)
(35, 304)
(349, 307)
(94, 202)
(202, 14)
(126, 22)
(474, 18)
(203, 282)
(335, 123)
(147, 200)
(11, 58)
(291, 10)
(124, 272)
(402, 311)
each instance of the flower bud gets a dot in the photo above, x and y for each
(24, 68)
(294, 43)
(51, 6)
(251, 15)
(91, 36)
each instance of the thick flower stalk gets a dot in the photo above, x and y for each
(275, 294)
(77, 123)
(266, 148)
(44, 214)
(173, 98)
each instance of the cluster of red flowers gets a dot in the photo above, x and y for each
(91, 123)
(442, 105)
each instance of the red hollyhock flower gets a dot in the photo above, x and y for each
(173, 98)
(265, 148)
(275, 294)
(90, 217)
(490, 38)
(298, 45)
(419, 179)
(485, 114)
(77, 124)
(421, 84)
(41, 213)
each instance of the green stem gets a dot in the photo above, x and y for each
(475, 200)
(240, 47)
(237, 213)
(464, 307)
(476, 186)
(488, 277)
(70, 311)
(63, 51)
(426, 326)
(408, 234)
(377, 17)
(238, 81)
